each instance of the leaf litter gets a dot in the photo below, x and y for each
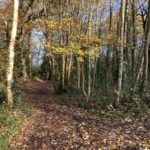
(53, 126)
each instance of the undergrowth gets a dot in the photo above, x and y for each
(11, 121)
(102, 105)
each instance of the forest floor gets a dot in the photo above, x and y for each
(56, 127)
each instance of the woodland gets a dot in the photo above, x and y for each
(74, 74)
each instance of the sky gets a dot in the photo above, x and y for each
(37, 46)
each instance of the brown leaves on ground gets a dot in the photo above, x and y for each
(53, 126)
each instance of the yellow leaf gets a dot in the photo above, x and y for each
(113, 146)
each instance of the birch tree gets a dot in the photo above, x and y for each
(10, 68)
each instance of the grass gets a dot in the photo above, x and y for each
(11, 122)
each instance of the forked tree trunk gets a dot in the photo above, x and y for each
(11, 53)
(121, 55)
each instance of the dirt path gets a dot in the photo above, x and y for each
(56, 127)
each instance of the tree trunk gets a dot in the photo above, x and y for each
(121, 55)
(79, 74)
(69, 68)
(89, 58)
(11, 53)
(63, 71)
(133, 40)
(97, 19)
(146, 47)
(30, 54)
(111, 14)
(108, 58)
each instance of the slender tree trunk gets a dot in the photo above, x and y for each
(63, 71)
(30, 55)
(89, 58)
(69, 67)
(121, 54)
(97, 19)
(7, 32)
(51, 61)
(94, 73)
(83, 80)
(108, 58)
(146, 48)
(11, 53)
(24, 47)
(24, 64)
(61, 44)
(133, 40)
(139, 71)
(126, 41)
(111, 14)
(79, 73)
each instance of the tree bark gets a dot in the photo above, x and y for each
(79, 73)
(133, 50)
(11, 53)
(89, 58)
(30, 54)
(146, 48)
(121, 54)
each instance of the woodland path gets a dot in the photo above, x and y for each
(57, 127)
